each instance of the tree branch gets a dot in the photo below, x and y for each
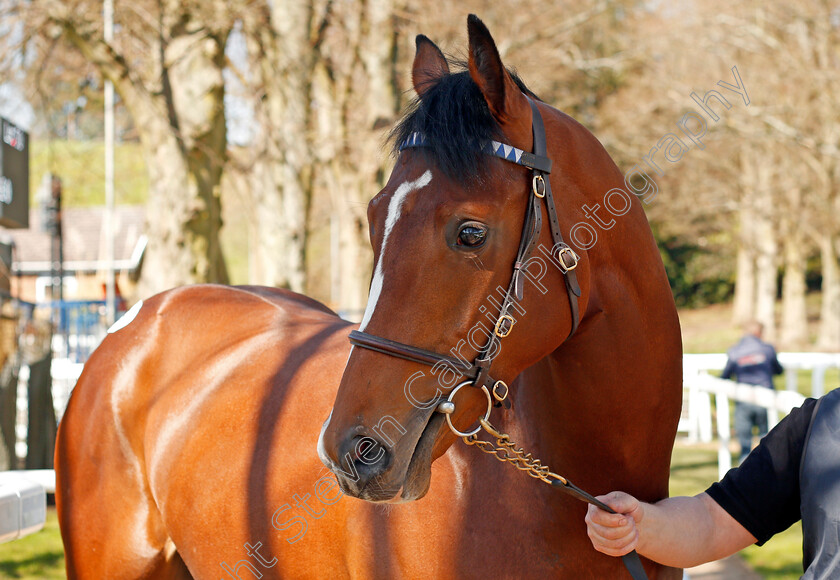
(110, 63)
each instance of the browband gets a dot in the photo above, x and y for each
(494, 148)
(567, 259)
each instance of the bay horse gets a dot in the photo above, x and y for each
(195, 441)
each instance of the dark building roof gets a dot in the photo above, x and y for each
(84, 240)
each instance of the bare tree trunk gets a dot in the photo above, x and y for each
(183, 230)
(279, 46)
(327, 72)
(185, 151)
(743, 306)
(355, 257)
(357, 98)
(829, 333)
(334, 180)
(174, 89)
(766, 282)
(278, 227)
(767, 246)
(794, 315)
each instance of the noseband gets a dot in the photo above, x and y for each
(479, 371)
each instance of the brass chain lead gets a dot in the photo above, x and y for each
(506, 450)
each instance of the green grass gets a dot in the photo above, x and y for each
(780, 558)
(708, 329)
(803, 381)
(39, 556)
(81, 167)
(693, 468)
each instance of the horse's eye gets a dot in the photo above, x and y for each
(471, 235)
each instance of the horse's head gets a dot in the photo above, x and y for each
(468, 271)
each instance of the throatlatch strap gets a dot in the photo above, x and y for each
(570, 278)
(479, 371)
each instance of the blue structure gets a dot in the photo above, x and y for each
(82, 326)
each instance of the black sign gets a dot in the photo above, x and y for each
(14, 176)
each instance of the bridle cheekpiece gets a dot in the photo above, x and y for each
(478, 372)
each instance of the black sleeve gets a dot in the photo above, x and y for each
(763, 493)
(777, 367)
(729, 369)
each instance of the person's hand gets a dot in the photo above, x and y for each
(615, 534)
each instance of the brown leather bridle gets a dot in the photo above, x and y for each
(479, 370)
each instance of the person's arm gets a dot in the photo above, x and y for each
(678, 531)
(685, 531)
(729, 369)
(775, 365)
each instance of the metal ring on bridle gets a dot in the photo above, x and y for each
(486, 415)
(538, 185)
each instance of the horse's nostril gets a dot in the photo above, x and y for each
(368, 454)
(364, 446)
(367, 449)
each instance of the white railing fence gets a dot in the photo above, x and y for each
(816, 362)
(696, 422)
(700, 386)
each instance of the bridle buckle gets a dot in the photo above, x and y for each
(562, 253)
(496, 395)
(504, 325)
(538, 185)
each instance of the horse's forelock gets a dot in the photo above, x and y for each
(455, 120)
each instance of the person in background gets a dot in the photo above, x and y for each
(753, 362)
(793, 474)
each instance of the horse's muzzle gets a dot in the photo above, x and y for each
(361, 467)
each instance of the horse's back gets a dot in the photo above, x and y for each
(150, 385)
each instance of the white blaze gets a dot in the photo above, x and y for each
(394, 208)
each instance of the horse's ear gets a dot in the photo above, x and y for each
(429, 65)
(507, 103)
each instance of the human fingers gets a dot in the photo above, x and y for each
(624, 504)
(610, 526)
(616, 536)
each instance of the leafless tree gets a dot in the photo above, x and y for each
(166, 64)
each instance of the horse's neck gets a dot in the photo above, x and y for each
(618, 369)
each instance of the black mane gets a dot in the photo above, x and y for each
(455, 120)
